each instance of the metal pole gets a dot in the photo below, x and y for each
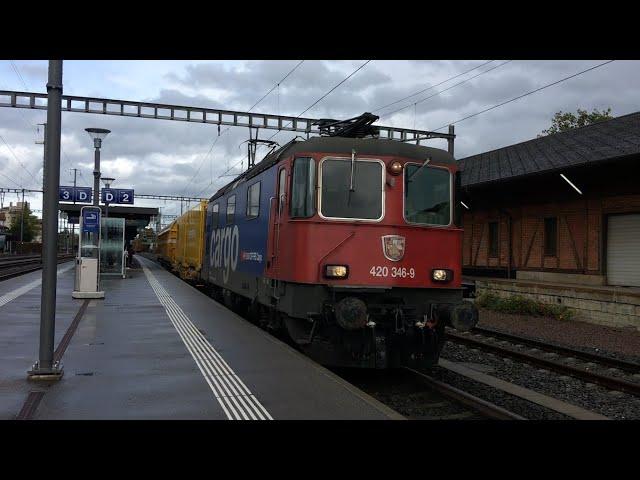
(96, 177)
(73, 225)
(45, 367)
(22, 218)
(44, 153)
(450, 140)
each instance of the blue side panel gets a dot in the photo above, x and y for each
(207, 242)
(241, 244)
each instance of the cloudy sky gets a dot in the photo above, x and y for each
(165, 157)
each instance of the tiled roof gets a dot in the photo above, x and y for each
(605, 140)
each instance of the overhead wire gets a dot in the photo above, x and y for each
(525, 94)
(11, 179)
(432, 86)
(276, 85)
(336, 86)
(445, 89)
(15, 69)
(226, 129)
(308, 108)
(325, 95)
(26, 122)
(17, 159)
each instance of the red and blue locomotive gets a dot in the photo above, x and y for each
(351, 245)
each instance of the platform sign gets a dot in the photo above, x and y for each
(108, 195)
(90, 220)
(75, 194)
(117, 195)
(125, 196)
(65, 194)
(83, 194)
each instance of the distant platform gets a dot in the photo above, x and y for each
(157, 348)
(135, 218)
(129, 213)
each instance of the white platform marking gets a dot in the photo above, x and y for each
(232, 394)
(7, 297)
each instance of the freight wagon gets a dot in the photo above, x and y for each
(190, 242)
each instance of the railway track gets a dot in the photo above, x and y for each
(13, 266)
(418, 396)
(611, 373)
(477, 404)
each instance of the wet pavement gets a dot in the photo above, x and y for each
(157, 348)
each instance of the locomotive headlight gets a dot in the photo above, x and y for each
(395, 168)
(441, 275)
(336, 271)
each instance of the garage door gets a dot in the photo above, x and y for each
(623, 250)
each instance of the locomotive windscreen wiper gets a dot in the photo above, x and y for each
(436, 208)
(421, 167)
(353, 164)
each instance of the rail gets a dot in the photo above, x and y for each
(13, 266)
(481, 406)
(533, 357)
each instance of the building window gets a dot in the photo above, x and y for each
(215, 216)
(493, 239)
(551, 236)
(253, 200)
(231, 209)
(304, 188)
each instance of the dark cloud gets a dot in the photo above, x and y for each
(159, 156)
(36, 74)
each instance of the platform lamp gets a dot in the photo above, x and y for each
(97, 134)
(107, 183)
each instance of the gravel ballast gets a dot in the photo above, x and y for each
(611, 341)
(615, 405)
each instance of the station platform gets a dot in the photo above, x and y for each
(157, 348)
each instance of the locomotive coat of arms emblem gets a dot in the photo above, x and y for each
(393, 247)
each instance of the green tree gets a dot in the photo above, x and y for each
(562, 121)
(29, 227)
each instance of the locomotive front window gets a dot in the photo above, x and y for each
(427, 195)
(340, 199)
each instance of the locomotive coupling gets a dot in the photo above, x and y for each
(351, 313)
(461, 316)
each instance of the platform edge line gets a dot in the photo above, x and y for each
(203, 353)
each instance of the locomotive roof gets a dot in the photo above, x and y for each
(343, 145)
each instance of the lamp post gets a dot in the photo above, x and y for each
(107, 183)
(97, 134)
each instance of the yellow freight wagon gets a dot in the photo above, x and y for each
(166, 249)
(190, 246)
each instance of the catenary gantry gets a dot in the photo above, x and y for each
(159, 111)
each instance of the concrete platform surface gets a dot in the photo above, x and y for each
(157, 348)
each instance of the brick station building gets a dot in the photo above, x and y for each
(557, 218)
